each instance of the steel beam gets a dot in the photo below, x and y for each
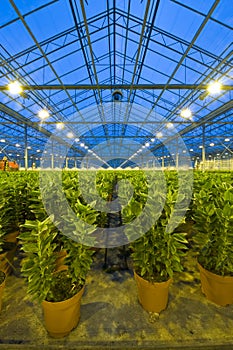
(37, 127)
(198, 32)
(118, 86)
(28, 13)
(202, 14)
(12, 2)
(218, 111)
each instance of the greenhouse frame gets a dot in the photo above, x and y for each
(116, 163)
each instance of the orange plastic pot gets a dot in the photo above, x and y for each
(2, 286)
(152, 296)
(61, 317)
(6, 260)
(218, 289)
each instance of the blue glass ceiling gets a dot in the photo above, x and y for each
(113, 42)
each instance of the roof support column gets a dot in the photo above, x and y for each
(25, 147)
(52, 157)
(203, 146)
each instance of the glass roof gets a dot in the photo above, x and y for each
(72, 55)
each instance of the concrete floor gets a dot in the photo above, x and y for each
(112, 318)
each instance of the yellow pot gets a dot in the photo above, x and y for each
(6, 260)
(61, 317)
(216, 288)
(2, 286)
(152, 296)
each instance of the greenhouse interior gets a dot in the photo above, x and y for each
(116, 174)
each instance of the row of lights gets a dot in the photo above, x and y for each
(186, 113)
(212, 143)
(159, 135)
(147, 144)
(76, 140)
(213, 88)
(15, 88)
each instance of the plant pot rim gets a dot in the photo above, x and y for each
(168, 281)
(61, 303)
(214, 275)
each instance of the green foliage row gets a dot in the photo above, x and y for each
(213, 221)
(157, 254)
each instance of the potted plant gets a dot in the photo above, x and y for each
(213, 221)
(2, 286)
(58, 287)
(158, 253)
(11, 208)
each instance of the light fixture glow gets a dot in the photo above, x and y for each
(15, 88)
(147, 144)
(2, 140)
(70, 135)
(152, 140)
(214, 87)
(159, 135)
(43, 114)
(76, 140)
(186, 113)
(17, 145)
(60, 126)
(227, 140)
(82, 144)
(29, 147)
(211, 144)
(200, 146)
(191, 150)
(169, 125)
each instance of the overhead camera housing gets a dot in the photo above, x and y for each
(117, 96)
